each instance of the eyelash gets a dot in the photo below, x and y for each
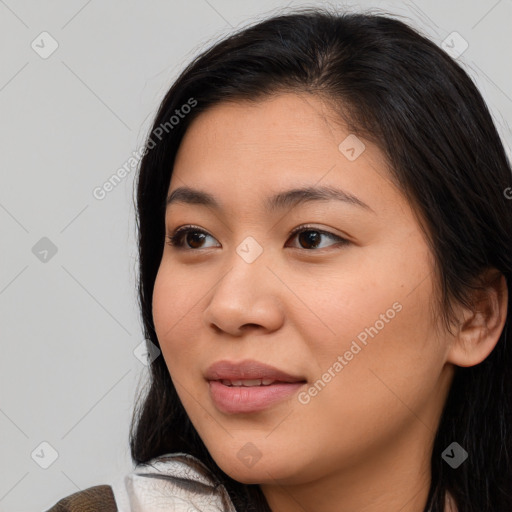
(175, 241)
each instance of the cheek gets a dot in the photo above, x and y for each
(173, 304)
(163, 305)
(380, 338)
(357, 307)
(384, 355)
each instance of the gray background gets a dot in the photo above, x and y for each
(69, 321)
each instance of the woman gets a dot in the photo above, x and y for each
(325, 252)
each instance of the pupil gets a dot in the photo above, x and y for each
(196, 236)
(312, 237)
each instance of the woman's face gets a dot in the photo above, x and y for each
(343, 306)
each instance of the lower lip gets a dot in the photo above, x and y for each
(239, 399)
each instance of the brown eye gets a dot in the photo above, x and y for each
(310, 237)
(194, 239)
(188, 238)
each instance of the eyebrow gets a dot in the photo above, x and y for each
(279, 201)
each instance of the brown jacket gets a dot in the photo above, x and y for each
(95, 499)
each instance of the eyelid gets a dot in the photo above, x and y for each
(178, 232)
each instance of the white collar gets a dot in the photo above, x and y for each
(175, 481)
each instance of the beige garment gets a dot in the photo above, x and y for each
(176, 481)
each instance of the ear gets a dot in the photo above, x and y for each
(480, 327)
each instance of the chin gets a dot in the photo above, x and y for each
(259, 469)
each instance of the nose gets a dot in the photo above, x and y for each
(248, 297)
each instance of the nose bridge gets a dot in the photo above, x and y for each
(247, 293)
(248, 268)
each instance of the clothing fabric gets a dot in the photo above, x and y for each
(176, 481)
(93, 499)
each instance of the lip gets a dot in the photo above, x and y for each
(248, 369)
(245, 399)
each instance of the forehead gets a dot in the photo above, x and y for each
(286, 124)
(243, 150)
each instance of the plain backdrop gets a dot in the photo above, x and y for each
(80, 82)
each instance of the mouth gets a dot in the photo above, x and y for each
(248, 383)
(249, 386)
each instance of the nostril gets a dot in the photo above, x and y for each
(245, 326)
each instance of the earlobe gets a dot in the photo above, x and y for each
(480, 328)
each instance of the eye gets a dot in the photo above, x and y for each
(194, 236)
(309, 235)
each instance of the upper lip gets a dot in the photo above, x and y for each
(248, 369)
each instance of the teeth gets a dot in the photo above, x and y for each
(248, 382)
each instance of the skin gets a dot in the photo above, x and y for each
(364, 442)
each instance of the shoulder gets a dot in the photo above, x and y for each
(99, 497)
